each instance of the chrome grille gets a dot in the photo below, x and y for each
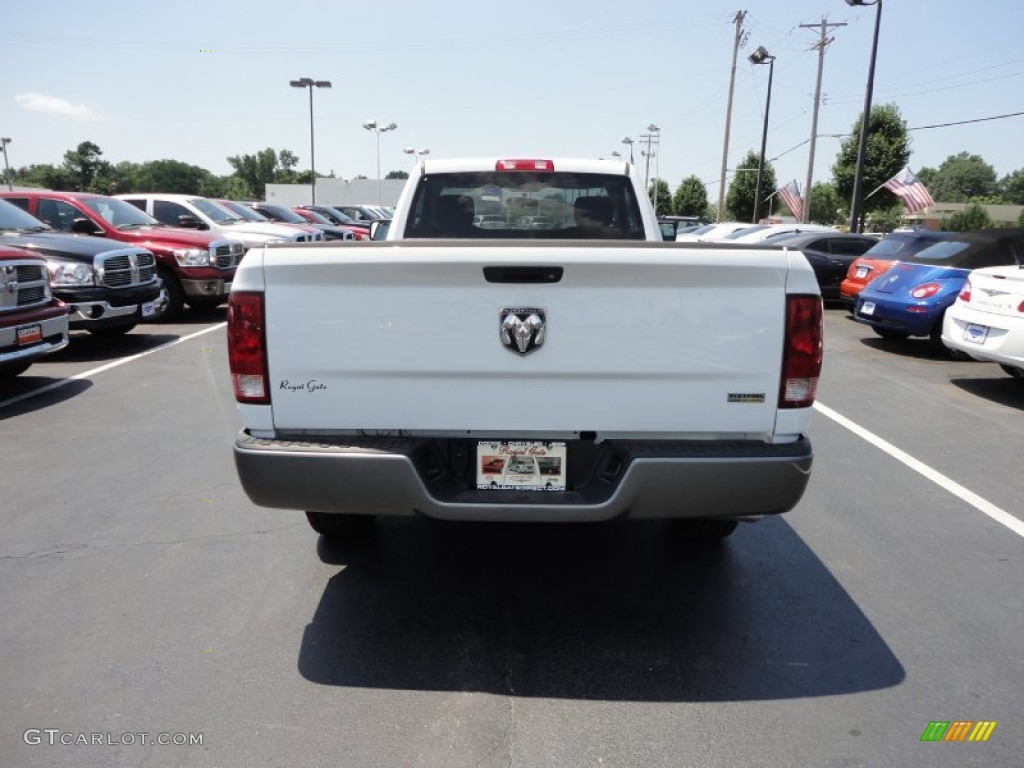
(29, 272)
(121, 269)
(33, 295)
(227, 253)
(23, 284)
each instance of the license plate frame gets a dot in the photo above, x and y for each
(975, 333)
(521, 465)
(28, 334)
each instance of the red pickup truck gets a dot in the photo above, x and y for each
(196, 267)
(32, 322)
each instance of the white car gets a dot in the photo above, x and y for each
(766, 233)
(987, 319)
(192, 211)
(711, 231)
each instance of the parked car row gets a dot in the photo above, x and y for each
(109, 286)
(914, 296)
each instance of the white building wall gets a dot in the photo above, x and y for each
(337, 192)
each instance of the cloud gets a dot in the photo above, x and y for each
(38, 102)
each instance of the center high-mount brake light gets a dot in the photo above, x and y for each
(247, 348)
(802, 352)
(522, 164)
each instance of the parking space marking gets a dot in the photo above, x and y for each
(107, 367)
(1001, 516)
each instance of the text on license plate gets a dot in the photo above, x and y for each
(148, 310)
(975, 334)
(30, 334)
(867, 308)
(520, 465)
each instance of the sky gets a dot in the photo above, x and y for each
(200, 81)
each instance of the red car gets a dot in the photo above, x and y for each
(196, 267)
(360, 229)
(314, 217)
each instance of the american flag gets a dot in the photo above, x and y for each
(911, 191)
(790, 195)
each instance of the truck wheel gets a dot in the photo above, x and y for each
(1017, 373)
(887, 333)
(175, 298)
(13, 370)
(340, 527)
(705, 528)
(112, 330)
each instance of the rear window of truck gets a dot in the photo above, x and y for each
(525, 205)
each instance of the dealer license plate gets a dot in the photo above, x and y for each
(29, 334)
(862, 271)
(148, 309)
(975, 334)
(867, 308)
(520, 465)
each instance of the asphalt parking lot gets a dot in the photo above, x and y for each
(143, 594)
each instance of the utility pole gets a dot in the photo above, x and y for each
(821, 45)
(737, 41)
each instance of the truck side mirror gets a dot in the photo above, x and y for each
(379, 229)
(83, 226)
(189, 221)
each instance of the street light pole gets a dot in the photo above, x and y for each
(760, 56)
(7, 168)
(310, 83)
(865, 122)
(629, 141)
(373, 125)
(416, 153)
(654, 137)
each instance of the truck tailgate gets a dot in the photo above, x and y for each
(639, 338)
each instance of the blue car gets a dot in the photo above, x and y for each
(912, 297)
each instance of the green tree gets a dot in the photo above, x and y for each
(961, 178)
(884, 221)
(888, 151)
(691, 198)
(663, 202)
(397, 175)
(84, 164)
(43, 175)
(974, 216)
(256, 171)
(739, 200)
(1020, 219)
(1011, 188)
(825, 205)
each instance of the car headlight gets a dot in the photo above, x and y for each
(70, 273)
(194, 257)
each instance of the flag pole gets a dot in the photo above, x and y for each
(875, 190)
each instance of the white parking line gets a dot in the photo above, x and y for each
(107, 367)
(999, 515)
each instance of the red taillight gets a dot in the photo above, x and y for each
(524, 165)
(925, 290)
(1020, 307)
(247, 347)
(965, 292)
(801, 355)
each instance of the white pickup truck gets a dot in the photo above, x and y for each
(561, 363)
